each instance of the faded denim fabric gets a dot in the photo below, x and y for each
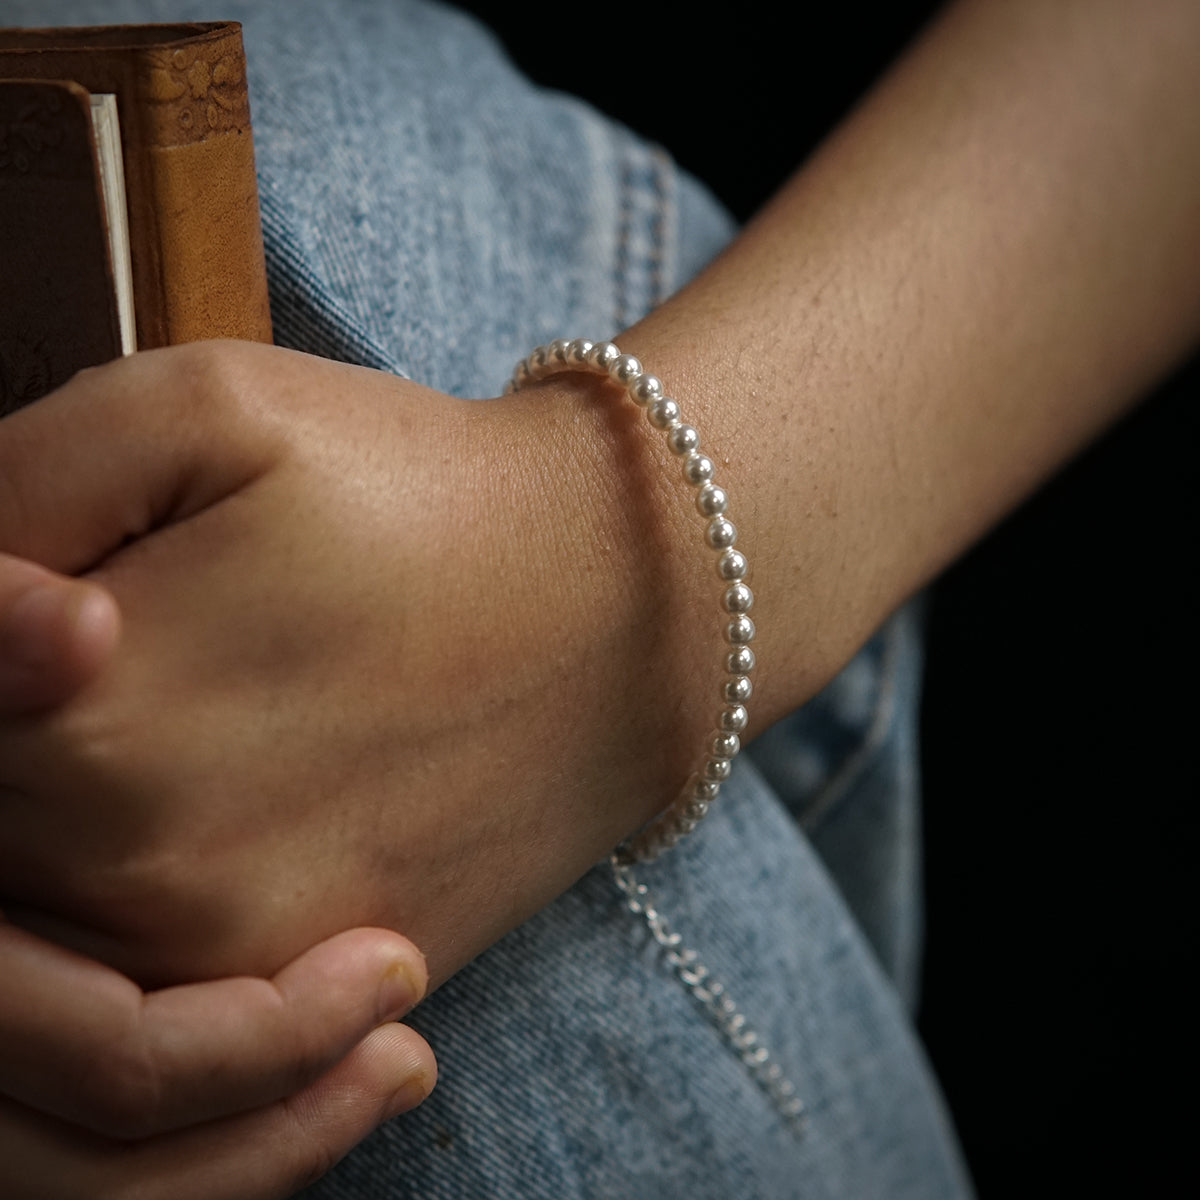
(429, 212)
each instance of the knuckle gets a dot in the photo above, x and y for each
(313, 1159)
(89, 376)
(226, 393)
(121, 1092)
(310, 1050)
(207, 375)
(89, 741)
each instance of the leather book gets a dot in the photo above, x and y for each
(191, 197)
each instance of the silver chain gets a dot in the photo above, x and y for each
(710, 994)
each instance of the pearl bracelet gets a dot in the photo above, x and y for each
(646, 391)
(712, 502)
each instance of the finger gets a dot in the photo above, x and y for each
(55, 635)
(123, 448)
(267, 1154)
(81, 1042)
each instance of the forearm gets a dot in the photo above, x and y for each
(985, 265)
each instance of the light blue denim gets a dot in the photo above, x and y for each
(429, 212)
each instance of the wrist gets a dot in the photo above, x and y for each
(613, 586)
(637, 391)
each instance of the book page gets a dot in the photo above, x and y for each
(106, 132)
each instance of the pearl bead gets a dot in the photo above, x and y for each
(683, 439)
(725, 745)
(624, 369)
(602, 356)
(738, 598)
(739, 689)
(698, 469)
(647, 389)
(663, 413)
(538, 365)
(717, 769)
(696, 810)
(579, 350)
(721, 533)
(741, 661)
(740, 631)
(557, 351)
(705, 789)
(732, 565)
(734, 718)
(711, 500)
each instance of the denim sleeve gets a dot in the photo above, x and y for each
(429, 212)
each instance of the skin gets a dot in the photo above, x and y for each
(55, 635)
(342, 663)
(226, 668)
(244, 1087)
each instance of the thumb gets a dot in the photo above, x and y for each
(55, 635)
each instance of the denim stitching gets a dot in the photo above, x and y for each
(622, 249)
(839, 782)
(662, 234)
(643, 267)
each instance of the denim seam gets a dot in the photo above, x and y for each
(663, 232)
(621, 263)
(646, 220)
(302, 305)
(642, 268)
(838, 783)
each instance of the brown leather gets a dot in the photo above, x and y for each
(57, 311)
(195, 234)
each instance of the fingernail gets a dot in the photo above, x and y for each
(403, 1066)
(413, 1091)
(400, 987)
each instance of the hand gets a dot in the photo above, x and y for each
(388, 659)
(241, 1089)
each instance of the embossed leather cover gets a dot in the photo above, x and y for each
(196, 239)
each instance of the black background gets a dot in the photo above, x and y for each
(1059, 710)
